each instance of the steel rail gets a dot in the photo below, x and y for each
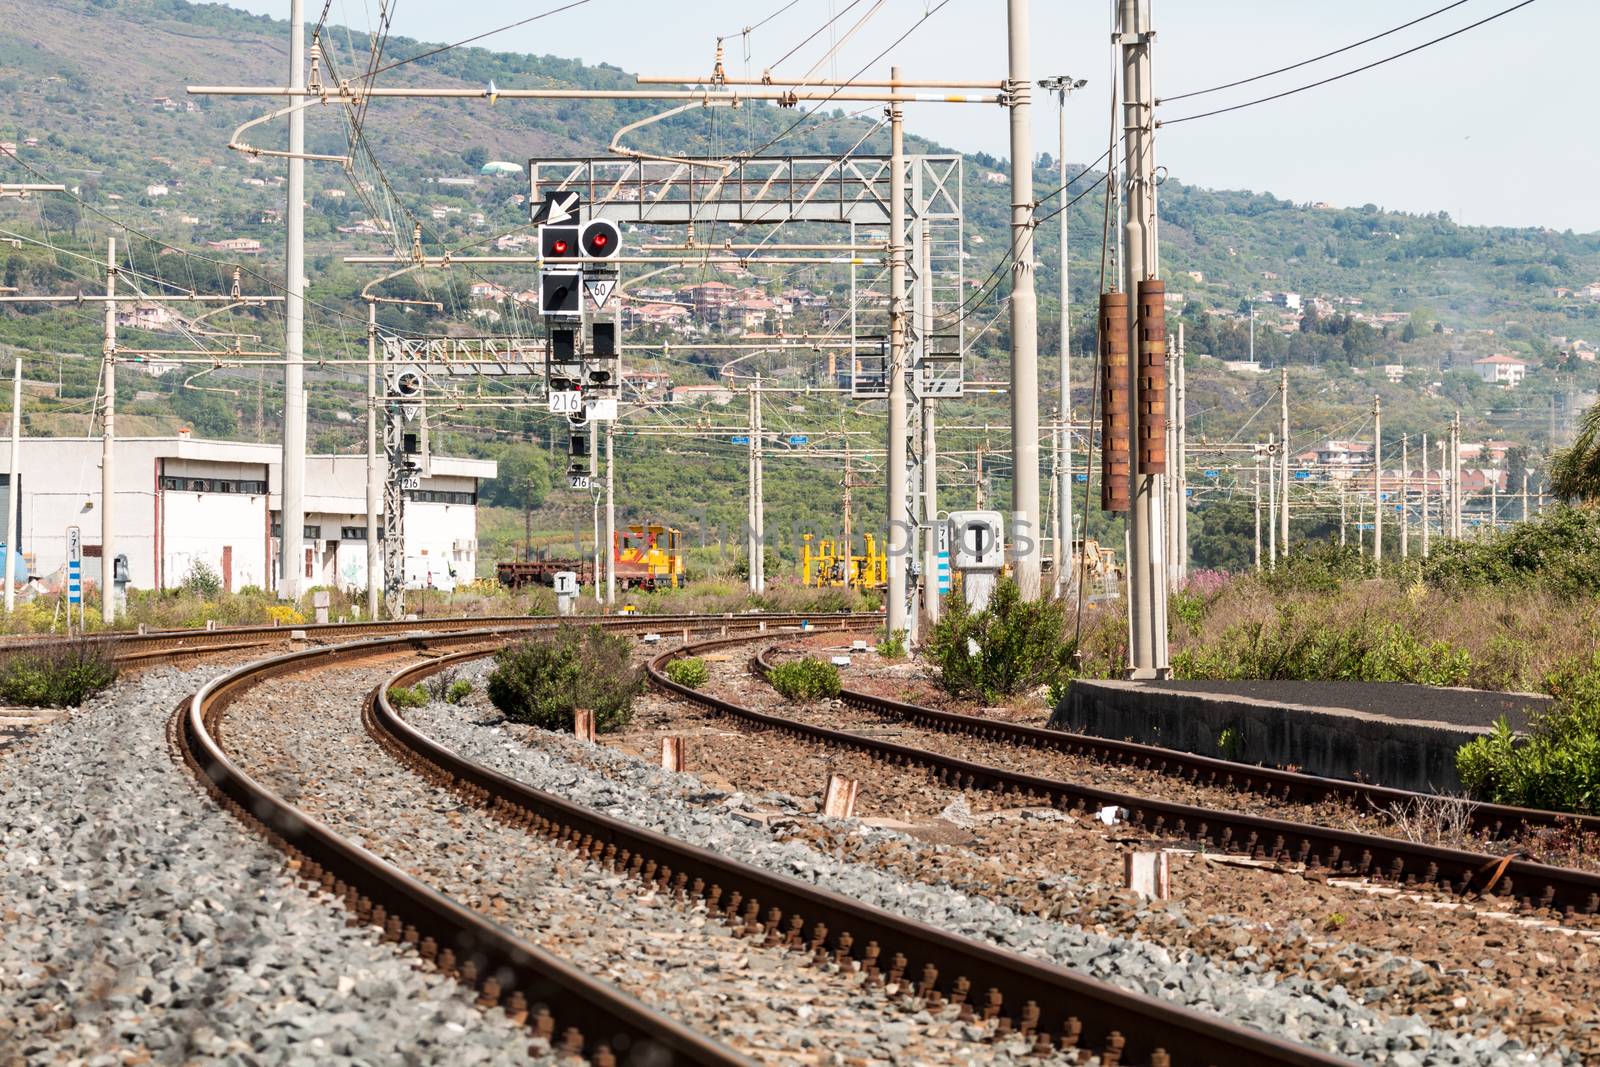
(1494, 820)
(1553, 890)
(1056, 1006)
(611, 1026)
(157, 644)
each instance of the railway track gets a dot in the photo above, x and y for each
(1553, 891)
(1058, 1008)
(577, 1013)
(1496, 821)
(159, 645)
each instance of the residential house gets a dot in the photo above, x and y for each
(1501, 369)
(244, 246)
(701, 394)
(146, 316)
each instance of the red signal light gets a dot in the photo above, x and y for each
(560, 247)
(601, 240)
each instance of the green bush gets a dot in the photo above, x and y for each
(1557, 766)
(202, 581)
(457, 691)
(1299, 643)
(408, 697)
(805, 679)
(1008, 648)
(691, 672)
(58, 675)
(1558, 551)
(542, 681)
(893, 646)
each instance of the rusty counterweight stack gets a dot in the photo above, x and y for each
(1152, 398)
(1116, 470)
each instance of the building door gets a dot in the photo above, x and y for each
(227, 568)
(310, 562)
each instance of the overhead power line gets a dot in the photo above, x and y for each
(478, 37)
(1348, 73)
(1313, 59)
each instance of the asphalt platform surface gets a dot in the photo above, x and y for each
(1398, 700)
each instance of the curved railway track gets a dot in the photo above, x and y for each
(1493, 820)
(577, 1013)
(1554, 891)
(1058, 1008)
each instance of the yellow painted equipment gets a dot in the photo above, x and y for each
(829, 564)
(648, 558)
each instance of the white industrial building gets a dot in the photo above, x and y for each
(183, 499)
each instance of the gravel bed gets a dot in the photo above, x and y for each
(769, 1003)
(1435, 821)
(141, 924)
(1321, 1013)
(1466, 968)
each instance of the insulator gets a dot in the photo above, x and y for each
(1115, 426)
(1152, 400)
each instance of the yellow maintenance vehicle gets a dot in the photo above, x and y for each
(831, 565)
(648, 558)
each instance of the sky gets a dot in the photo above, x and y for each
(1494, 127)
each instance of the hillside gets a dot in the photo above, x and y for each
(85, 91)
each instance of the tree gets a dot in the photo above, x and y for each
(475, 157)
(63, 213)
(1575, 470)
(522, 481)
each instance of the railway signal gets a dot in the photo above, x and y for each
(558, 242)
(557, 207)
(559, 293)
(600, 239)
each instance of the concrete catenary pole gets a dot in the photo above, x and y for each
(930, 452)
(752, 551)
(108, 443)
(1377, 480)
(1444, 489)
(1272, 502)
(1065, 549)
(594, 496)
(14, 483)
(1256, 493)
(1405, 496)
(1425, 480)
(761, 496)
(1525, 475)
(1283, 467)
(1026, 529)
(1181, 473)
(374, 472)
(611, 518)
(1455, 478)
(1146, 568)
(293, 475)
(897, 538)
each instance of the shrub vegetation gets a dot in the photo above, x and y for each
(1557, 765)
(691, 672)
(408, 696)
(805, 679)
(58, 675)
(1010, 647)
(542, 681)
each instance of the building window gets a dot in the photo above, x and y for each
(213, 485)
(352, 533)
(309, 533)
(441, 496)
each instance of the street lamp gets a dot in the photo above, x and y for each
(1062, 85)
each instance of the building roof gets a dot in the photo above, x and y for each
(1500, 357)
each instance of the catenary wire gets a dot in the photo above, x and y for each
(1339, 77)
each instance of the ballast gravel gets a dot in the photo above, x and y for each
(1326, 1017)
(139, 923)
(303, 735)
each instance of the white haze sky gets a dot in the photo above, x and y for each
(1497, 126)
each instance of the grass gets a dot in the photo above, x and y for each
(691, 672)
